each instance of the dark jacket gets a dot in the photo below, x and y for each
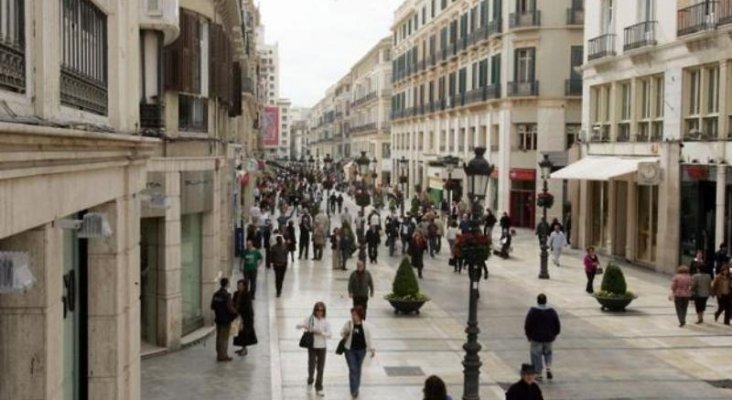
(360, 285)
(542, 324)
(223, 308)
(290, 237)
(505, 222)
(523, 391)
(243, 305)
(278, 254)
(372, 237)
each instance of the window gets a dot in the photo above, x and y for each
(572, 134)
(192, 113)
(606, 15)
(432, 9)
(600, 112)
(496, 69)
(12, 45)
(84, 56)
(424, 15)
(385, 151)
(625, 112)
(702, 99)
(527, 136)
(483, 73)
(462, 80)
(524, 65)
(646, 10)
(474, 76)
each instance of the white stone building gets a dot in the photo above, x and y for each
(657, 83)
(495, 74)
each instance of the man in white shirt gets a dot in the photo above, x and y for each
(557, 241)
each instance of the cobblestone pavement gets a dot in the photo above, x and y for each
(639, 354)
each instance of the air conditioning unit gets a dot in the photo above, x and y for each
(649, 174)
(93, 226)
(15, 273)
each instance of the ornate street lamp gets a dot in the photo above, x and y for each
(328, 184)
(544, 200)
(374, 173)
(404, 179)
(311, 162)
(450, 163)
(362, 195)
(474, 249)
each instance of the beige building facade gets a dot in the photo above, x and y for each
(330, 122)
(657, 82)
(370, 108)
(104, 158)
(494, 74)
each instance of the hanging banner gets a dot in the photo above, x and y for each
(271, 127)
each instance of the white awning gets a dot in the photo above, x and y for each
(601, 168)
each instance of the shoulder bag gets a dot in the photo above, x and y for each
(307, 339)
(341, 348)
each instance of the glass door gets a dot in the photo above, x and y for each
(150, 247)
(71, 322)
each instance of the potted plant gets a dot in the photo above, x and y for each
(614, 294)
(405, 296)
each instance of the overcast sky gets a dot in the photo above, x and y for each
(319, 40)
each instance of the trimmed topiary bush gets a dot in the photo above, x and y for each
(405, 285)
(613, 280)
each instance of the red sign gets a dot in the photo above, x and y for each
(518, 174)
(271, 127)
(697, 172)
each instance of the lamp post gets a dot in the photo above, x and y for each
(478, 172)
(326, 166)
(545, 165)
(404, 179)
(450, 162)
(374, 173)
(363, 169)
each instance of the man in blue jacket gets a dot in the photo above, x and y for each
(542, 327)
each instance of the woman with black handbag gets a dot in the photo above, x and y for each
(315, 337)
(243, 304)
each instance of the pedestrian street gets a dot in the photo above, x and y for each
(638, 354)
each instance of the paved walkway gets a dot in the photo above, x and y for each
(640, 354)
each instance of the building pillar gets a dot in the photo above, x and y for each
(609, 226)
(114, 304)
(669, 202)
(211, 267)
(504, 160)
(719, 220)
(31, 360)
(170, 296)
(631, 225)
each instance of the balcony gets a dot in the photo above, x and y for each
(697, 18)
(725, 12)
(601, 46)
(575, 16)
(161, 15)
(640, 35)
(495, 27)
(12, 66)
(573, 87)
(363, 128)
(363, 99)
(523, 89)
(152, 119)
(484, 93)
(524, 20)
(82, 92)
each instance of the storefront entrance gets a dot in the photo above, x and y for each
(697, 214)
(74, 328)
(151, 247)
(523, 198)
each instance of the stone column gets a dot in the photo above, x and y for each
(211, 267)
(31, 323)
(170, 297)
(631, 224)
(720, 203)
(114, 304)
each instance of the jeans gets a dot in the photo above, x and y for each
(304, 246)
(405, 245)
(590, 280)
(681, 304)
(541, 354)
(279, 277)
(345, 255)
(222, 341)
(392, 246)
(433, 246)
(252, 279)
(316, 357)
(355, 358)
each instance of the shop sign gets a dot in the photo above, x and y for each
(518, 174)
(697, 172)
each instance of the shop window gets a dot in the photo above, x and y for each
(647, 219)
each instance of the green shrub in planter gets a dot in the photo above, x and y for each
(613, 283)
(405, 285)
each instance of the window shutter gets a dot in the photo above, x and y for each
(532, 66)
(213, 55)
(195, 55)
(186, 34)
(172, 60)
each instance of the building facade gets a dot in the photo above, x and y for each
(490, 73)
(370, 113)
(285, 123)
(657, 83)
(108, 141)
(330, 122)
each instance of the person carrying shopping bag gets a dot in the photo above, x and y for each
(319, 327)
(357, 343)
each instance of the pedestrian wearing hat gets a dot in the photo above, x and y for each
(542, 327)
(526, 388)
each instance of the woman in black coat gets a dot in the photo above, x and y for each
(290, 239)
(243, 304)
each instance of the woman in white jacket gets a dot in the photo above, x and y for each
(320, 327)
(358, 343)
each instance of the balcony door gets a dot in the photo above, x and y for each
(525, 65)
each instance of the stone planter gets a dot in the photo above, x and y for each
(407, 306)
(614, 304)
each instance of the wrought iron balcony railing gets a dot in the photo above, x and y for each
(516, 89)
(573, 87)
(640, 35)
(601, 46)
(524, 19)
(697, 18)
(575, 16)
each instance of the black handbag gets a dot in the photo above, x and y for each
(452, 261)
(307, 339)
(341, 347)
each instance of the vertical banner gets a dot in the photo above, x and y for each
(271, 127)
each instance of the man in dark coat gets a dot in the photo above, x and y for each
(224, 313)
(542, 327)
(339, 200)
(373, 240)
(526, 388)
